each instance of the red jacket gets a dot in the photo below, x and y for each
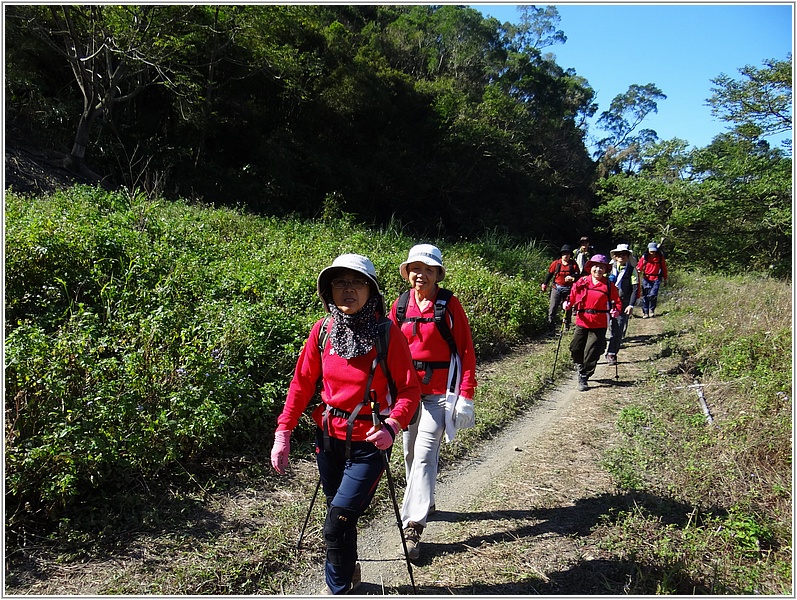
(571, 268)
(652, 265)
(427, 345)
(343, 385)
(592, 302)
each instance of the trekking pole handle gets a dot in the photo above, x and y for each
(375, 411)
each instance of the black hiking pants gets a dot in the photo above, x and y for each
(586, 348)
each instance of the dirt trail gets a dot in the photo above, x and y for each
(517, 517)
(524, 504)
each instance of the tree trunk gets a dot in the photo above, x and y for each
(75, 161)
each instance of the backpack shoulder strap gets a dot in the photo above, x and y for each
(323, 333)
(440, 310)
(401, 307)
(382, 346)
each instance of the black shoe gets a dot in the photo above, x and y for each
(582, 384)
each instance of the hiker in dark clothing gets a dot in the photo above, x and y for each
(564, 273)
(652, 268)
(624, 277)
(594, 298)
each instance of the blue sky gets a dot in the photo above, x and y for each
(677, 47)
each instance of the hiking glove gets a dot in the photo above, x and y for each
(280, 450)
(383, 437)
(464, 415)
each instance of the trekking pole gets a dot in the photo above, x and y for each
(559, 343)
(309, 510)
(392, 488)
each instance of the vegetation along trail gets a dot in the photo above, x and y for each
(516, 517)
(625, 488)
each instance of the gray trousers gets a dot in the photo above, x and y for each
(421, 454)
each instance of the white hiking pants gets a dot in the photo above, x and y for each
(421, 453)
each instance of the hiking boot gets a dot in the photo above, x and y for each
(356, 580)
(412, 536)
(645, 315)
(611, 358)
(582, 384)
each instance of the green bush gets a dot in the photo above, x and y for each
(141, 334)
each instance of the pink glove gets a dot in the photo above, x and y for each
(544, 287)
(565, 305)
(614, 313)
(280, 450)
(383, 437)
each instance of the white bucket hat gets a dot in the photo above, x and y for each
(428, 255)
(354, 262)
(621, 248)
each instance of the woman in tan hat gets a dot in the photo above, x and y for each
(439, 335)
(593, 298)
(342, 351)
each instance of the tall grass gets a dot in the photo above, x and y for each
(141, 334)
(726, 474)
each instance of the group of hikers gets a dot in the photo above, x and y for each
(412, 369)
(602, 292)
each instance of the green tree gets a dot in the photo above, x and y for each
(114, 52)
(619, 151)
(762, 98)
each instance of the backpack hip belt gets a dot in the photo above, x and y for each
(429, 367)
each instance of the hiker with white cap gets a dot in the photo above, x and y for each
(593, 298)
(652, 268)
(356, 363)
(441, 344)
(624, 276)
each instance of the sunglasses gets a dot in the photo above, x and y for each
(342, 284)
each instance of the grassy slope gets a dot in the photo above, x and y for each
(737, 473)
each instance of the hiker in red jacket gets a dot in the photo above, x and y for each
(441, 343)
(348, 447)
(564, 273)
(652, 269)
(593, 298)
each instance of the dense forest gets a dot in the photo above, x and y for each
(432, 117)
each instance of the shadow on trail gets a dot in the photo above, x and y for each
(595, 576)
